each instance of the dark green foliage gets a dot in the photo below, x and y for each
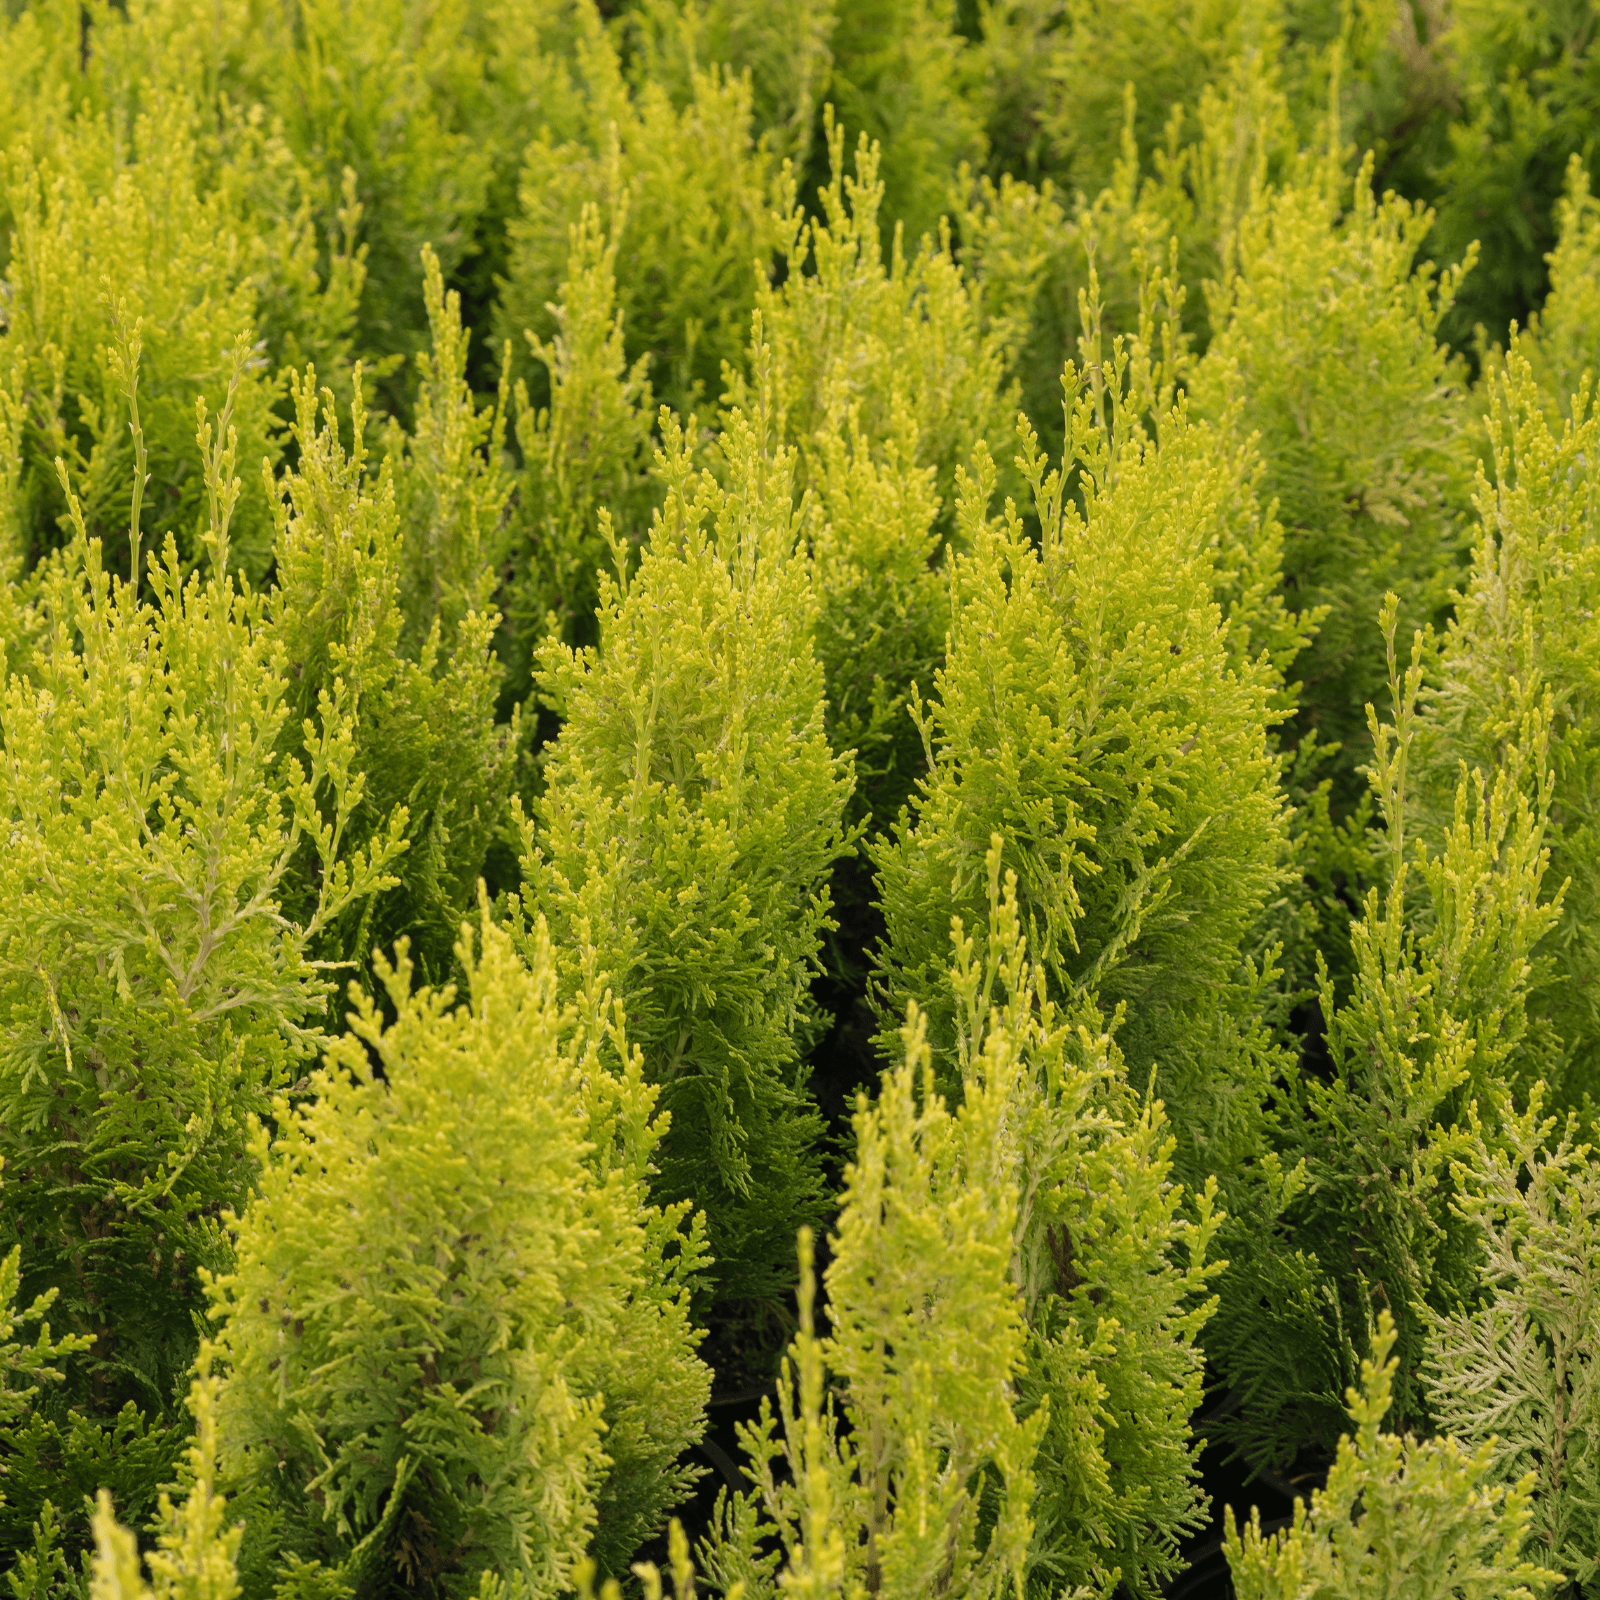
(1522, 85)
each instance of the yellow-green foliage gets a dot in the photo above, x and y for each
(884, 381)
(879, 1488)
(689, 195)
(380, 617)
(457, 1330)
(782, 45)
(26, 1368)
(1326, 346)
(691, 812)
(1560, 342)
(1098, 710)
(1436, 1022)
(1108, 1261)
(1014, 1287)
(1525, 632)
(902, 79)
(196, 1544)
(154, 993)
(446, 619)
(115, 242)
(1396, 1517)
(585, 456)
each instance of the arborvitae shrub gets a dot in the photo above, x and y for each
(1525, 628)
(196, 1544)
(457, 1330)
(117, 242)
(1559, 342)
(884, 381)
(1060, 73)
(410, 666)
(782, 45)
(1326, 345)
(691, 812)
(858, 321)
(1098, 711)
(26, 1368)
(1436, 1021)
(585, 456)
(154, 992)
(884, 1483)
(1034, 249)
(903, 79)
(451, 483)
(689, 193)
(1110, 1262)
(215, 800)
(1045, 1201)
(1513, 1368)
(1521, 78)
(1397, 1516)
(419, 113)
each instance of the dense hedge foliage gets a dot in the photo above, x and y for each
(862, 735)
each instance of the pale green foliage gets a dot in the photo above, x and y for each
(1396, 1519)
(1110, 1268)
(454, 1308)
(1516, 1368)
(1326, 346)
(1436, 1021)
(689, 195)
(691, 813)
(886, 1482)
(194, 1557)
(1525, 632)
(585, 456)
(411, 666)
(153, 990)
(1099, 712)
